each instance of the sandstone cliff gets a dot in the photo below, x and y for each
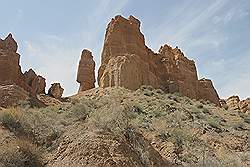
(126, 61)
(86, 71)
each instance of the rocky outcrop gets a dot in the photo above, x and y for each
(10, 70)
(234, 103)
(16, 86)
(207, 90)
(126, 61)
(37, 83)
(11, 95)
(245, 105)
(86, 71)
(56, 90)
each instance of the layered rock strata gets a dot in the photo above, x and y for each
(127, 62)
(234, 103)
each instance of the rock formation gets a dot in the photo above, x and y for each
(86, 71)
(14, 85)
(56, 90)
(126, 61)
(245, 105)
(234, 103)
(10, 95)
(37, 83)
(10, 70)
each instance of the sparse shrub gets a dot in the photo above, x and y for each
(112, 120)
(164, 136)
(10, 118)
(137, 110)
(238, 125)
(214, 122)
(206, 111)
(200, 106)
(148, 93)
(159, 91)
(21, 153)
(79, 111)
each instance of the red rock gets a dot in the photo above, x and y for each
(11, 95)
(86, 71)
(37, 83)
(56, 90)
(206, 89)
(126, 61)
(10, 70)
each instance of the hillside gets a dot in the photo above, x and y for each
(118, 127)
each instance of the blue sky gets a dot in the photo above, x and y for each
(52, 33)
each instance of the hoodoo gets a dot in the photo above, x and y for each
(127, 62)
(86, 71)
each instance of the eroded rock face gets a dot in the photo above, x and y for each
(56, 90)
(86, 71)
(206, 89)
(10, 95)
(245, 105)
(10, 70)
(37, 83)
(127, 62)
(234, 103)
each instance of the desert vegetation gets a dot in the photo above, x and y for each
(148, 122)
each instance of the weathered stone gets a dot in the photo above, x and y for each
(245, 105)
(126, 61)
(86, 71)
(207, 90)
(10, 70)
(37, 83)
(56, 90)
(11, 95)
(233, 103)
(8, 44)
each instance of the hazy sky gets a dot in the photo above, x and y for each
(52, 33)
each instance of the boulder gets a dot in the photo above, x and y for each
(56, 90)
(126, 61)
(86, 71)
